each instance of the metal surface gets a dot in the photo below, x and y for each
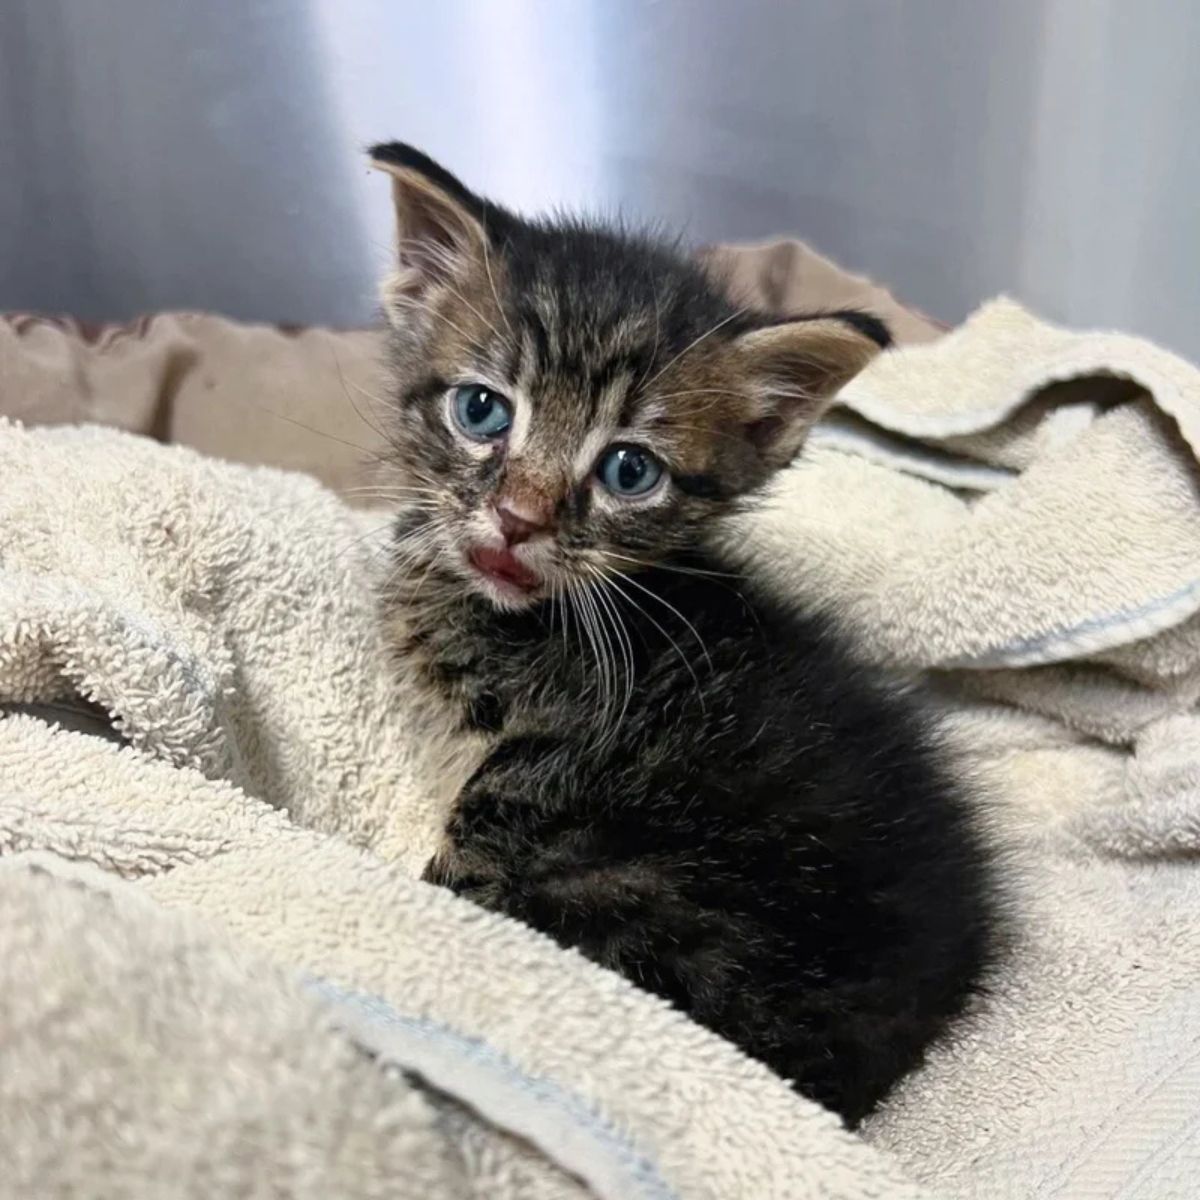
(165, 153)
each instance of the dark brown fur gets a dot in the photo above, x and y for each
(695, 785)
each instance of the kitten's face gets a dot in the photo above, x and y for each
(575, 404)
(557, 443)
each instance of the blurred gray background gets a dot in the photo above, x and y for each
(171, 153)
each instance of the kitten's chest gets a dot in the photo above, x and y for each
(488, 670)
(436, 685)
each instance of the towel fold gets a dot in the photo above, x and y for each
(1012, 496)
(1014, 511)
(1011, 510)
(272, 785)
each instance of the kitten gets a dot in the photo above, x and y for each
(689, 781)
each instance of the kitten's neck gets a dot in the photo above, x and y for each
(486, 662)
(498, 667)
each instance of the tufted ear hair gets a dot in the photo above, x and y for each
(797, 367)
(440, 233)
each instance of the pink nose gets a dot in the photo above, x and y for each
(520, 524)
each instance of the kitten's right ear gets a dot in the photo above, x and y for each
(797, 366)
(439, 223)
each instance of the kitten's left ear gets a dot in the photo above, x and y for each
(798, 367)
(439, 222)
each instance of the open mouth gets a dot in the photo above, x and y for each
(501, 568)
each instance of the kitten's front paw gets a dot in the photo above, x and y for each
(446, 869)
(436, 871)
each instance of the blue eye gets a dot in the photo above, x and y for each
(629, 471)
(481, 413)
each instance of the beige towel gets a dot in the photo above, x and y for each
(928, 513)
(1017, 509)
(143, 1057)
(306, 399)
(223, 616)
(1013, 496)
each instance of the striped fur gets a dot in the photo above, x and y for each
(693, 784)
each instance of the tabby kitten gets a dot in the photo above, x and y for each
(689, 781)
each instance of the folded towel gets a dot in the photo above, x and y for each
(1085, 540)
(1013, 495)
(1015, 509)
(144, 1057)
(273, 785)
(1011, 509)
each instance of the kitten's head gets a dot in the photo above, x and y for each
(575, 400)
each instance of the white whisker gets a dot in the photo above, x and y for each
(674, 568)
(346, 385)
(668, 605)
(371, 454)
(674, 644)
(487, 266)
(406, 302)
(584, 613)
(733, 316)
(623, 644)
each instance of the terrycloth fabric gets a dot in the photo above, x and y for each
(142, 1057)
(1013, 496)
(928, 514)
(1080, 1076)
(224, 617)
(1016, 509)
